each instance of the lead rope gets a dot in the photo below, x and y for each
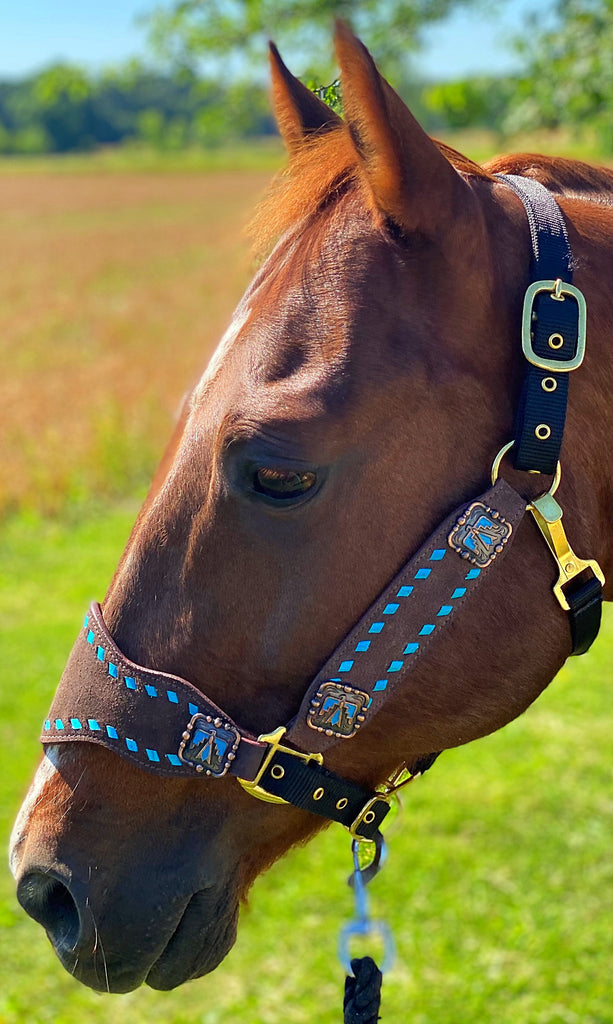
(363, 982)
(362, 992)
(364, 978)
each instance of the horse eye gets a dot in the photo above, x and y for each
(282, 484)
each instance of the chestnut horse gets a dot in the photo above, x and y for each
(369, 376)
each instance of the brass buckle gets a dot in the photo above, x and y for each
(399, 778)
(274, 739)
(548, 516)
(367, 816)
(558, 290)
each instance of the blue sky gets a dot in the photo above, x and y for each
(36, 32)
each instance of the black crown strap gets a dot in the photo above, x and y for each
(553, 340)
(554, 326)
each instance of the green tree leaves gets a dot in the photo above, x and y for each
(569, 70)
(228, 38)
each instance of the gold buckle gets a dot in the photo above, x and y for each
(548, 516)
(367, 816)
(399, 778)
(274, 739)
(558, 289)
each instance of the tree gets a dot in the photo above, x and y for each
(482, 101)
(227, 38)
(569, 67)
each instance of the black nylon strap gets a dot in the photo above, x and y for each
(544, 394)
(585, 600)
(313, 788)
(551, 252)
(541, 413)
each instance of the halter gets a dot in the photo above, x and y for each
(162, 723)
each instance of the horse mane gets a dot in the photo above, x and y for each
(327, 165)
(558, 174)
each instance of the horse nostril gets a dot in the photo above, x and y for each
(49, 902)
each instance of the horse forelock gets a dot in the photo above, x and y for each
(319, 172)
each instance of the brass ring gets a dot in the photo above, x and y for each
(342, 803)
(549, 384)
(496, 463)
(555, 340)
(507, 448)
(369, 817)
(543, 431)
(277, 771)
(319, 792)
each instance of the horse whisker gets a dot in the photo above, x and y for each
(98, 941)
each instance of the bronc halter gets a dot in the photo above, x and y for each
(162, 723)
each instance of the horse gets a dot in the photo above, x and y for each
(368, 376)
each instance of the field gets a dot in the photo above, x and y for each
(116, 284)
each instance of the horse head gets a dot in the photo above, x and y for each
(368, 376)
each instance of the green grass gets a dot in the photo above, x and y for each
(248, 155)
(499, 881)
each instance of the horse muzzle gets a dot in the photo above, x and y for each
(162, 947)
(149, 905)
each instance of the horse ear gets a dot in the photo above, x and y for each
(299, 112)
(410, 179)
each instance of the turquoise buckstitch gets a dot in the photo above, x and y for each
(392, 607)
(428, 627)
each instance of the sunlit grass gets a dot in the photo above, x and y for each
(250, 155)
(114, 290)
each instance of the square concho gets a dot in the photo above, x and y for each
(209, 745)
(337, 710)
(480, 534)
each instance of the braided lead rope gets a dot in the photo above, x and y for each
(362, 1000)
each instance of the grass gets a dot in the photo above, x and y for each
(114, 290)
(498, 886)
(255, 154)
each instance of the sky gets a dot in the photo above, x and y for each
(97, 33)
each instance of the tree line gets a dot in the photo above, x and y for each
(64, 108)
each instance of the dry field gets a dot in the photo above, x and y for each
(114, 289)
